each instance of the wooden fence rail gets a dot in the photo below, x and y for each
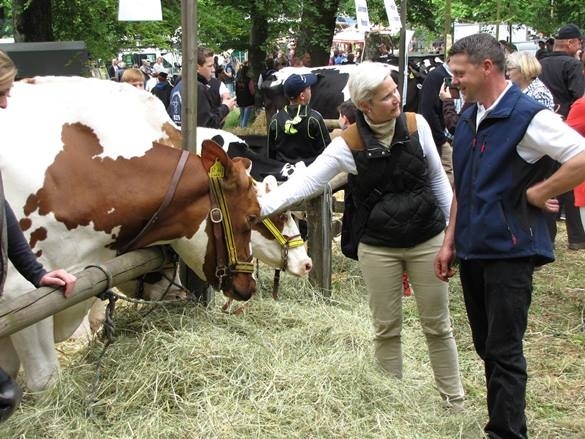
(35, 305)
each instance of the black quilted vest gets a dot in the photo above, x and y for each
(406, 213)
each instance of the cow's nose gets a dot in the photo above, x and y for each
(308, 266)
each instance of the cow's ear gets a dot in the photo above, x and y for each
(212, 152)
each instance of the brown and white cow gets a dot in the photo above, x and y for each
(264, 245)
(86, 163)
(275, 253)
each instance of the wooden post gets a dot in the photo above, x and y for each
(23, 311)
(319, 240)
(189, 124)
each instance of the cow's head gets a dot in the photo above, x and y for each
(239, 197)
(280, 252)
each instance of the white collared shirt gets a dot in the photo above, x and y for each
(547, 134)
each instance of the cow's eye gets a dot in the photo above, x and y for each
(252, 219)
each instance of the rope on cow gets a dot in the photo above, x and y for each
(109, 334)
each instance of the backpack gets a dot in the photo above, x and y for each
(355, 217)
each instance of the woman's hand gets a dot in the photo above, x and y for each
(59, 278)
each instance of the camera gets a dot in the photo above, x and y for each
(453, 89)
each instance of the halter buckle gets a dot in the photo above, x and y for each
(215, 215)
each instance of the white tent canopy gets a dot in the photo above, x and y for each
(349, 36)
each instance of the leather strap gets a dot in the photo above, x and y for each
(165, 202)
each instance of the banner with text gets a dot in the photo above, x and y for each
(393, 16)
(361, 14)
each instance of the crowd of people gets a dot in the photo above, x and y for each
(479, 176)
(500, 124)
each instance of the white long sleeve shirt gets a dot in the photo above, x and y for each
(337, 158)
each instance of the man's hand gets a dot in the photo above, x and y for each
(59, 278)
(535, 197)
(443, 262)
(230, 102)
(551, 205)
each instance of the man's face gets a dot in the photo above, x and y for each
(207, 69)
(467, 76)
(575, 44)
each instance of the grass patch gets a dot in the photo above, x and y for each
(302, 367)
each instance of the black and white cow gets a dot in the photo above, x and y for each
(262, 166)
(331, 89)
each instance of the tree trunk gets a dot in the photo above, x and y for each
(258, 37)
(32, 20)
(317, 31)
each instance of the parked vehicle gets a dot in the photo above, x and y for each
(171, 60)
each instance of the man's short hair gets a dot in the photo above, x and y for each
(479, 47)
(202, 54)
(348, 109)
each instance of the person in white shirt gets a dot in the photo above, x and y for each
(502, 150)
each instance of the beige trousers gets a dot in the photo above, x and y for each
(447, 160)
(382, 268)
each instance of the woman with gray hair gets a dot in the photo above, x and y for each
(523, 69)
(401, 198)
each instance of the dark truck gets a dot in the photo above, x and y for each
(59, 58)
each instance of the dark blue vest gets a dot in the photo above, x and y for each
(494, 220)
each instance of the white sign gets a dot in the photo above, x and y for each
(361, 14)
(139, 10)
(393, 16)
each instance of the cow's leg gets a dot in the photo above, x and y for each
(36, 350)
(68, 320)
(97, 315)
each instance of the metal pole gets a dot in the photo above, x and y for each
(402, 60)
(447, 37)
(189, 75)
(319, 240)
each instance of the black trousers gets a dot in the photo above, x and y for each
(497, 297)
(575, 232)
(10, 395)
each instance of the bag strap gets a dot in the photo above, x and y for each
(411, 122)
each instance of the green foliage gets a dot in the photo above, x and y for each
(226, 24)
(221, 25)
(97, 24)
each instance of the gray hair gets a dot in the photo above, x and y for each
(479, 47)
(365, 79)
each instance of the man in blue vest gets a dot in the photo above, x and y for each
(501, 153)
